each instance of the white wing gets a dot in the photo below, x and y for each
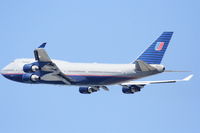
(143, 83)
(49, 68)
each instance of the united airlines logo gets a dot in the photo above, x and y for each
(159, 46)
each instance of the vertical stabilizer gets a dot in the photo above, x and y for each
(155, 52)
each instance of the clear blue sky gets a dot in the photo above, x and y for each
(105, 31)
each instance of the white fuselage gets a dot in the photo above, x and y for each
(85, 74)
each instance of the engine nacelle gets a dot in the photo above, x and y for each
(30, 77)
(87, 90)
(131, 89)
(30, 68)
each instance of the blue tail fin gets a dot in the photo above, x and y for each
(154, 53)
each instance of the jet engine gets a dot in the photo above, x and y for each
(30, 77)
(88, 90)
(131, 89)
(30, 68)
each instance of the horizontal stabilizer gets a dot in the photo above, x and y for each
(143, 67)
(175, 71)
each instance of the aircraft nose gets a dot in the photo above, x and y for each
(2, 71)
(6, 71)
(10, 72)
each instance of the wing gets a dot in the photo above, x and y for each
(49, 70)
(135, 86)
(155, 82)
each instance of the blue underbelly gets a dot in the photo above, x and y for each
(77, 79)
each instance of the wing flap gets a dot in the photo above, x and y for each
(54, 77)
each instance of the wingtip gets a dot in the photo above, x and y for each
(42, 45)
(188, 77)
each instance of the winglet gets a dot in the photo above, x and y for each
(42, 45)
(40, 54)
(188, 77)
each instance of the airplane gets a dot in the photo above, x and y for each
(91, 77)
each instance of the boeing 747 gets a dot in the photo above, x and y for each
(90, 77)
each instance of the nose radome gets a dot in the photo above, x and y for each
(2, 71)
(7, 69)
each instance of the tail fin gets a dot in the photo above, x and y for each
(154, 53)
